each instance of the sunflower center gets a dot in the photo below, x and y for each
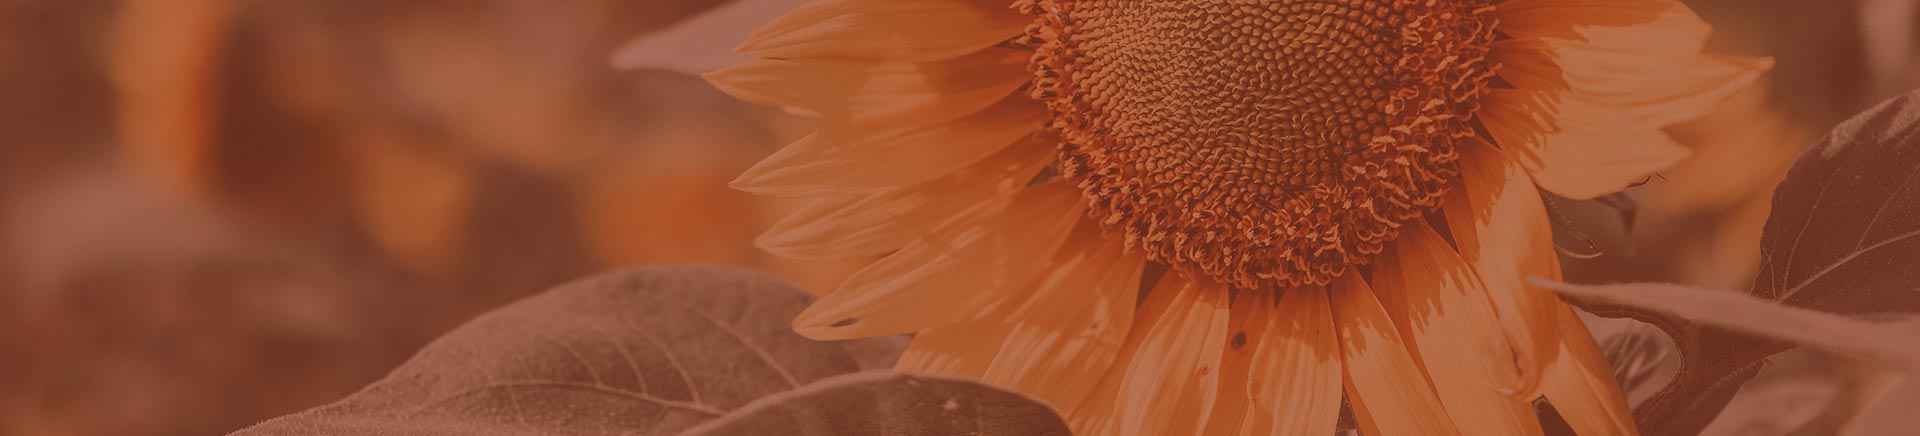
(1265, 143)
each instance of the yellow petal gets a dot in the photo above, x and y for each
(1171, 381)
(960, 269)
(1659, 88)
(1581, 386)
(1233, 410)
(963, 349)
(1296, 371)
(866, 158)
(1639, 25)
(1574, 147)
(1100, 413)
(703, 42)
(1389, 394)
(1436, 300)
(903, 30)
(859, 226)
(878, 93)
(1052, 341)
(1071, 327)
(1501, 226)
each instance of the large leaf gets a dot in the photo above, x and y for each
(650, 352)
(885, 403)
(1888, 344)
(1844, 238)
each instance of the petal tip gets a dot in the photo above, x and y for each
(748, 182)
(818, 323)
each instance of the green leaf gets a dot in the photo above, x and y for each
(886, 403)
(1888, 344)
(1844, 238)
(657, 352)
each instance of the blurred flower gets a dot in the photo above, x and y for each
(403, 124)
(1279, 161)
(217, 211)
(166, 65)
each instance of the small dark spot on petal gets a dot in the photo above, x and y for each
(1239, 340)
(845, 322)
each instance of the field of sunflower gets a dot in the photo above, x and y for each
(984, 217)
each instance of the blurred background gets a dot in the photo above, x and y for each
(213, 212)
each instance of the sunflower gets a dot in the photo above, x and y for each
(1226, 216)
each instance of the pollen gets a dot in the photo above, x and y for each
(1264, 143)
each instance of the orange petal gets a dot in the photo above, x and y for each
(901, 30)
(1071, 327)
(858, 226)
(885, 93)
(1389, 393)
(1438, 301)
(863, 158)
(1170, 383)
(1660, 88)
(960, 269)
(1296, 371)
(1233, 410)
(1501, 226)
(1638, 25)
(1575, 147)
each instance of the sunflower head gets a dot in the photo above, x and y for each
(1266, 144)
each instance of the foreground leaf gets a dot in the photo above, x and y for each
(886, 403)
(1844, 239)
(1888, 344)
(647, 352)
(1736, 312)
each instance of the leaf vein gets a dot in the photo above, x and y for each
(759, 351)
(686, 377)
(1882, 210)
(1843, 261)
(510, 385)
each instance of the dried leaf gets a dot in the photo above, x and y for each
(648, 352)
(1843, 239)
(887, 403)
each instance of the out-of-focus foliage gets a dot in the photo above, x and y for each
(217, 211)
